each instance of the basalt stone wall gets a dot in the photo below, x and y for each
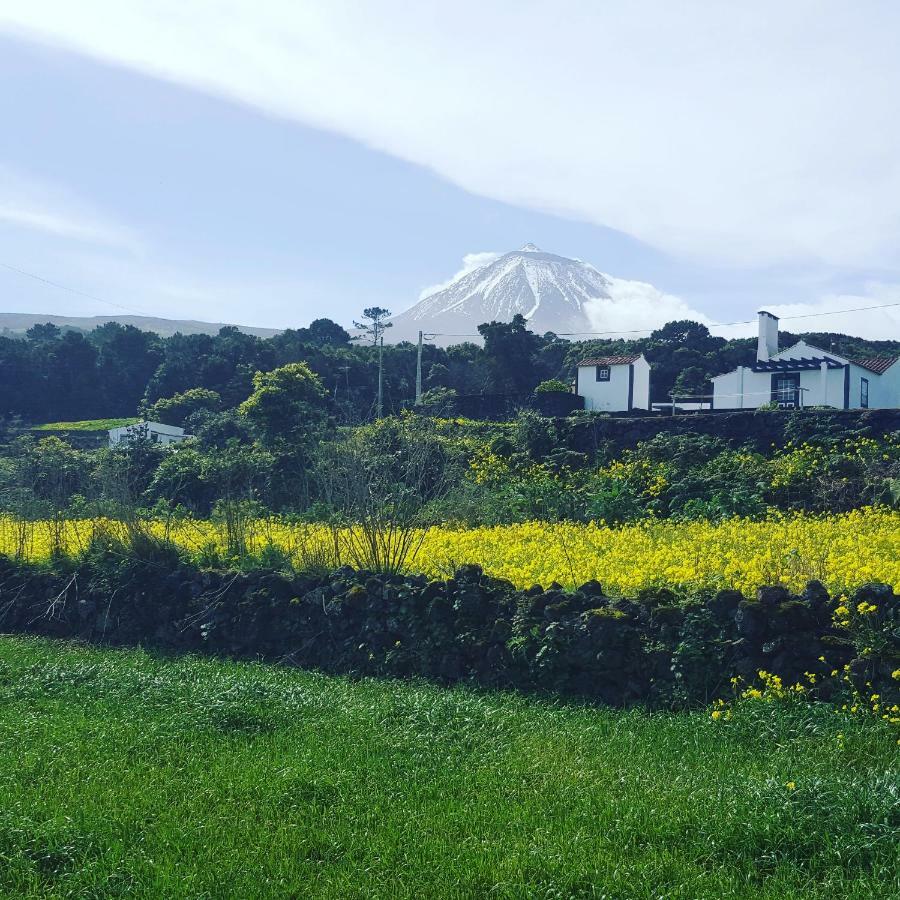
(758, 429)
(467, 628)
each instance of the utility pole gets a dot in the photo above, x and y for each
(380, 406)
(419, 372)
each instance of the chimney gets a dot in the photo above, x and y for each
(768, 336)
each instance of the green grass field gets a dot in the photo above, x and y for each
(126, 774)
(86, 425)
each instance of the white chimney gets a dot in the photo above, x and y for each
(768, 336)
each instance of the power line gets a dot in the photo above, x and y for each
(831, 312)
(835, 312)
(71, 290)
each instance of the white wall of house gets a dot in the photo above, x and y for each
(603, 396)
(613, 395)
(818, 389)
(839, 385)
(156, 432)
(884, 389)
(641, 394)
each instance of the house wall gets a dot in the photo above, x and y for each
(884, 390)
(757, 389)
(728, 390)
(641, 394)
(605, 396)
(887, 388)
(157, 435)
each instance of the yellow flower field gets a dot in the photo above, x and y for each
(843, 551)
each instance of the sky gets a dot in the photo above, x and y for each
(272, 162)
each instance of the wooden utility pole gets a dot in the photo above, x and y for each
(380, 406)
(419, 372)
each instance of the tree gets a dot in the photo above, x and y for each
(691, 382)
(510, 348)
(175, 410)
(43, 333)
(127, 358)
(378, 317)
(288, 405)
(324, 332)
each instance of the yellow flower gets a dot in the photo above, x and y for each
(791, 786)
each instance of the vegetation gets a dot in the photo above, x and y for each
(113, 370)
(842, 551)
(85, 425)
(286, 529)
(127, 774)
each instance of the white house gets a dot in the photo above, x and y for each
(147, 431)
(804, 375)
(614, 383)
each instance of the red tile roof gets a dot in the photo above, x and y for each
(877, 364)
(610, 360)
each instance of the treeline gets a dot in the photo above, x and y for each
(115, 370)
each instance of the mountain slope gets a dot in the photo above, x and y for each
(18, 323)
(551, 291)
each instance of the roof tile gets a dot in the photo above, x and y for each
(609, 360)
(877, 364)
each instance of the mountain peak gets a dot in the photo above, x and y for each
(552, 292)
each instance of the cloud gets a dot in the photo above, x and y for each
(637, 306)
(860, 320)
(28, 203)
(471, 262)
(749, 135)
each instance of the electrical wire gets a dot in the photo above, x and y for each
(63, 287)
(831, 312)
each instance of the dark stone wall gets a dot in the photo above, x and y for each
(758, 429)
(649, 650)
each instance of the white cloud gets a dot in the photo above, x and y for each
(471, 262)
(860, 321)
(28, 203)
(749, 133)
(637, 306)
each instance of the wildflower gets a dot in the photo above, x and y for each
(791, 786)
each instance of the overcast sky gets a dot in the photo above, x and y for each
(271, 162)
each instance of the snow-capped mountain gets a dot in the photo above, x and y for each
(552, 292)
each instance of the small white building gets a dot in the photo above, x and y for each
(147, 431)
(804, 375)
(614, 383)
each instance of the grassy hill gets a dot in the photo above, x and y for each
(19, 323)
(127, 774)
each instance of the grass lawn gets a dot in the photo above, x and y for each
(127, 774)
(85, 425)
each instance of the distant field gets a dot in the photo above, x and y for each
(123, 774)
(85, 425)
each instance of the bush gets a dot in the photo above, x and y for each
(553, 386)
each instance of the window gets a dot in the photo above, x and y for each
(864, 393)
(786, 389)
(602, 373)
